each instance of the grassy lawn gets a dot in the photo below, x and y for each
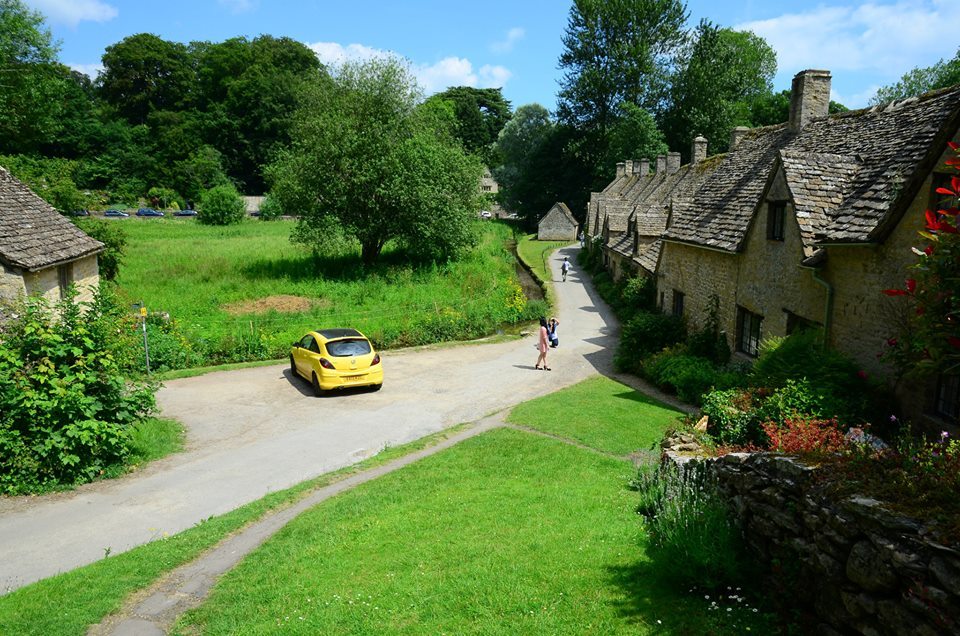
(601, 414)
(536, 254)
(244, 292)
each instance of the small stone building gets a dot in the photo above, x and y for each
(798, 224)
(558, 224)
(41, 251)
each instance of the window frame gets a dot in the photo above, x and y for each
(947, 406)
(678, 300)
(748, 342)
(776, 220)
(64, 278)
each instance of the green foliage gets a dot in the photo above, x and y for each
(65, 407)
(634, 135)
(53, 180)
(367, 160)
(691, 527)
(721, 71)
(270, 209)
(166, 196)
(114, 237)
(920, 80)
(221, 205)
(644, 334)
(687, 375)
(481, 114)
(639, 293)
(709, 342)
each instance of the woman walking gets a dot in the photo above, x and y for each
(543, 343)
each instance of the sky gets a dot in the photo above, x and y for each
(515, 44)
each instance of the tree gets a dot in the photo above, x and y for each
(143, 73)
(481, 114)
(921, 80)
(221, 205)
(368, 164)
(634, 136)
(720, 73)
(31, 80)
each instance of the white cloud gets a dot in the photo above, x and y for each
(90, 70)
(514, 35)
(450, 71)
(238, 6)
(72, 12)
(885, 38)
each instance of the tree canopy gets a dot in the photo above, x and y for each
(921, 80)
(481, 114)
(368, 164)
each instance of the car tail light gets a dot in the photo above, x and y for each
(376, 359)
(325, 363)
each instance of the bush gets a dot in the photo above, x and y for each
(806, 436)
(114, 237)
(65, 407)
(734, 420)
(644, 334)
(639, 293)
(691, 528)
(221, 205)
(686, 375)
(270, 209)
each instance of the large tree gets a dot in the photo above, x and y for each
(920, 80)
(481, 114)
(368, 163)
(32, 83)
(721, 72)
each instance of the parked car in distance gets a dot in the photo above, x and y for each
(80, 213)
(185, 213)
(116, 214)
(336, 359)
(486, 214)
(149, 212)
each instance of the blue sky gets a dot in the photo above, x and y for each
(515, 44)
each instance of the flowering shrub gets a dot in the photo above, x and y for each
(806, 436)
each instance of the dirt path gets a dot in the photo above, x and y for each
(254, 431)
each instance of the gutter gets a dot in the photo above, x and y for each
(828, 310)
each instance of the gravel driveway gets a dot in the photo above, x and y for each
(254, 431)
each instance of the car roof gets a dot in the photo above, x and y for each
(332, 334)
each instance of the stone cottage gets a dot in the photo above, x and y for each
(803, 224)
(557, 224)
(42, 252)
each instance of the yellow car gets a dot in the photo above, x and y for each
(336, 359)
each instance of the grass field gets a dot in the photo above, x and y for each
(536, 254)
(244, 292)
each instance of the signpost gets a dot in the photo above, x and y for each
(143, 322)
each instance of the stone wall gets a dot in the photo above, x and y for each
(555, 226)
(699, 274)
(854, 566)
(84, 273)
(11, 283)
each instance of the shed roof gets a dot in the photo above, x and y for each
(33, 235)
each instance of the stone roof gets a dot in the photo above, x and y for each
(893, 145)
(564, 211)
(647, 258)
(33, 235)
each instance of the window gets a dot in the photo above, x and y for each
(677, 303)
(346, 348)
(487, 188)
(748, 332)
(64, 278)
(776, 214)
(796, 324)
(948, 396)
(663, 296)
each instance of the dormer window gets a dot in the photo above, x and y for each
(776, 219)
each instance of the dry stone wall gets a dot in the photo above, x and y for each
(855, 566)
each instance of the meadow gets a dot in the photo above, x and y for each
(245, 292)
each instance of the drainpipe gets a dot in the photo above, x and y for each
(828, 311)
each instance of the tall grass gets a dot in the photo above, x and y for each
(195, 273)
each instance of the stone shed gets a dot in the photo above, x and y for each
(558, 224)
(41, 251)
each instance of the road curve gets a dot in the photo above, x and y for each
(254, 431)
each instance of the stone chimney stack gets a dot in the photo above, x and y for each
(698, 152)
(644, 167)
(661, 164)
(673, 162)
(736, 136)
(621, 169)
(628, 168)
(809, 97)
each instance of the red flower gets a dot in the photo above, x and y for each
(891, 342)
(954, 342)
(911, 285)
(953, 145)
(895, 292)
(928, 250)
(862, 374)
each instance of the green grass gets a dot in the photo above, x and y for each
(536, 254)
(599, 413)
(154, 438)
(197, 274)
(69, 602)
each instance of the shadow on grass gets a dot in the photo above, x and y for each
(637, 396)
(346, 268)
(649, 597)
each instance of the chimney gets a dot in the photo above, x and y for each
(673, 162)
(628, 168)
(661, 164)
(809, 97)
(644, 167)
(698, 152)
(736, 136)
(621, 169)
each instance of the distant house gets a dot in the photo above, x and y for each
(800, 224)
(557, 225)
(41, 252)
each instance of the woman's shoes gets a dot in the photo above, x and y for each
(547, 369)
(538, 367)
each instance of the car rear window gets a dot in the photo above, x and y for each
(348, 347)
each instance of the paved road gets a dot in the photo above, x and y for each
(254, 431)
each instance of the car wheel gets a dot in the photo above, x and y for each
(316, 386)
(376, 387)
(293, 365)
